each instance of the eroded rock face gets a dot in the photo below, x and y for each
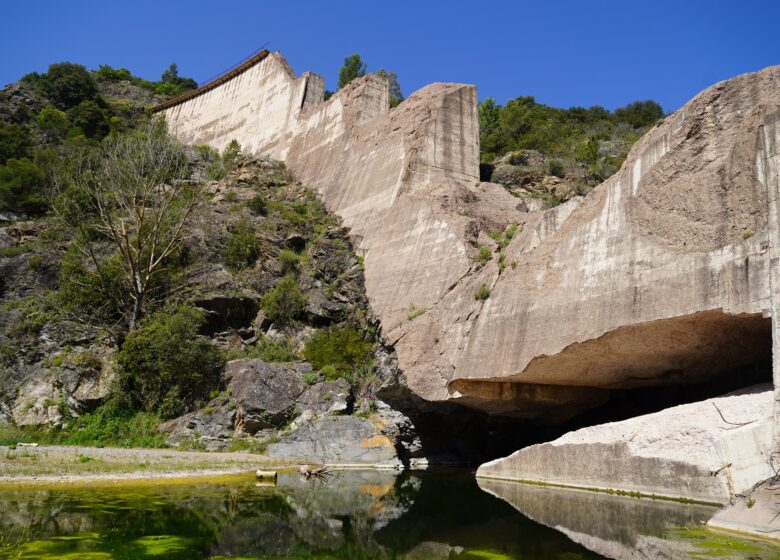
(648, 267)
(339, 440)
(707, 451)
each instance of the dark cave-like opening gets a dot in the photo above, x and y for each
(456, 433)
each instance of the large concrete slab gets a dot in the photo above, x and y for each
(706, 451)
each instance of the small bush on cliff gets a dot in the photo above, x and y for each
(242, 250)
(482, 293)
(257, 205)
(281, 350)
(285, 301)
(164, 365)
(338, 351)
(485, 254)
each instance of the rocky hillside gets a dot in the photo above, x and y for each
(257, 324)
(546, 155)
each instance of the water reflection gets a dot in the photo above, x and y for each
(626, 528)
(354, 515)
(366, 515)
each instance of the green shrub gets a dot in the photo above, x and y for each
(165, 365)
(285, 301)
(35, 262)
(15, 250)
(289, 261)
(518, 158)
(109, 74)
(485, 254)
(415, 312)
(556, 168)
(280, 350)
(90, 119)
(22, 187)
(35, 312)
(640, 113)
(242, 250)
(15, 142)
(231, 154)
(338, 351)
(482, 293)
(53, 121)
(67, 84)
(257, 205)
(98, 296)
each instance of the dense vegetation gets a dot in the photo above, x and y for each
(51, 117)
(588, 144)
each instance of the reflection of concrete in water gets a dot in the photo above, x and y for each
(347, 506)
(344, 493)
(614, 526)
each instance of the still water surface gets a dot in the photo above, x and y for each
(354, 515)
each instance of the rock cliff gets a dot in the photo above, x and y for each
(662, 275)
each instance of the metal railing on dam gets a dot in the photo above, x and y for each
(215, 82)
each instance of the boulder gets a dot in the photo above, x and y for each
(327, 397)
(213, 426)
(706, 451)
(343, 440)
(322, 310)
(260, 398)
(266, 395)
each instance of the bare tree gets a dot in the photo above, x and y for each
(131, 196)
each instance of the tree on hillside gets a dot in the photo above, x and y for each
(171, 76)
(353, 67)
(131, 196)
(66, 84)
(640, 113)
(396, 95)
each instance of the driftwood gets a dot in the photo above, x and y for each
(317, 473)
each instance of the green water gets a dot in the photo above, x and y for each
(354, 515)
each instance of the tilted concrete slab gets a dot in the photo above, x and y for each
(708, 451)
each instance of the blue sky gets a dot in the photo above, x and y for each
(562, 52)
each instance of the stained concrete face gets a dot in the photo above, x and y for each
(663, 274)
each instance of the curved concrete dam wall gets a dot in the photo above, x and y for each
(664, 274)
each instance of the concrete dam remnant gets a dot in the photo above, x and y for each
(664, 275)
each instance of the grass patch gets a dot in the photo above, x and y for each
(482, 293)
(282, 350)
(484, 255)
(108, 426)
(415, 312)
